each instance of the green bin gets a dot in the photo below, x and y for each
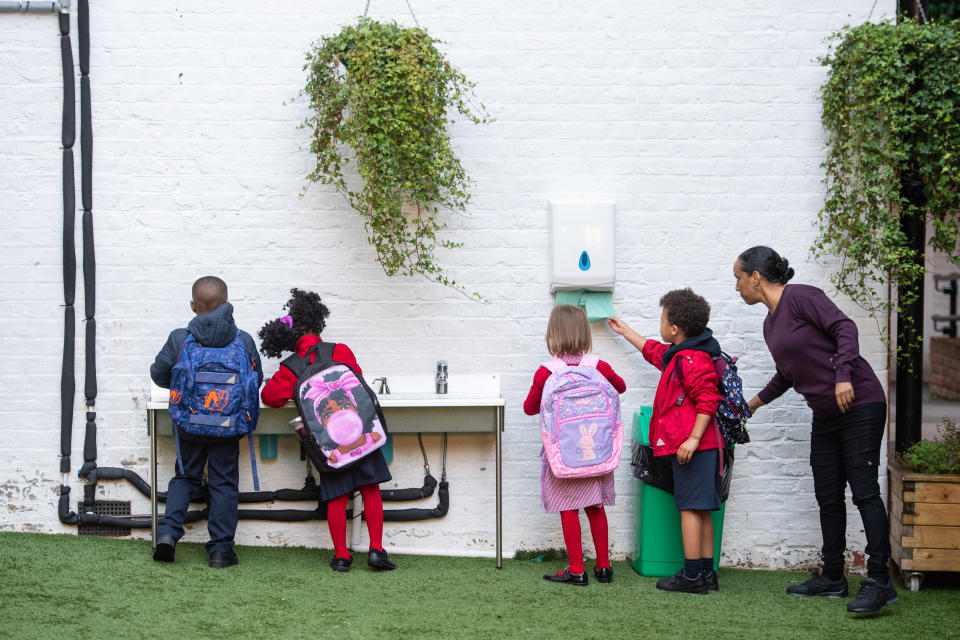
(658, 547)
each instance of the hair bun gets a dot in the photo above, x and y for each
(786, 272)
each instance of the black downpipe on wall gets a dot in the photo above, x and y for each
(89, 261)
(67, 136)
(89, 470)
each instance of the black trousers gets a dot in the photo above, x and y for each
(846, 450)
(223, 482)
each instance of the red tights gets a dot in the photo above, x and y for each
(372, 511)
(570, 521)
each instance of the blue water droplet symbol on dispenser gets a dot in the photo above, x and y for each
(584, 261)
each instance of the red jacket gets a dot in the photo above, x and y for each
(280, 387)
(671, 424)
(531, 406)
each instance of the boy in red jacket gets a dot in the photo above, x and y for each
(683, 426)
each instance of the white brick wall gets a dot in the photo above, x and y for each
(702, 122)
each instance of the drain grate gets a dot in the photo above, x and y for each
(105, 508)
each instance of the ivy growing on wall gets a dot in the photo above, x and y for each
(382, 96)
(891, 111)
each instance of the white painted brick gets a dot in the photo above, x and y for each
(704, 130)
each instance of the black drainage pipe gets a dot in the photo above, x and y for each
(89, 258)
(67, 137)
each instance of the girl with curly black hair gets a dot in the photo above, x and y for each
(299, 331)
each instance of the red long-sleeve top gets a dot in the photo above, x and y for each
(531, 406)
(281, 386)
(676, 405)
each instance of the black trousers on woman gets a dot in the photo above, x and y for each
(846, 450)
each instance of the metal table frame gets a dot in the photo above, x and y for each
(405, 413)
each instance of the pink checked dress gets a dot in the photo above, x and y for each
(575, 493)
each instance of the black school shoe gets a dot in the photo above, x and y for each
(379, 559)
(576, 579)
(603, 575)
(222, 559)
(873, 594)
(682, 584)
(818, 585)
(710, 577)
(166, 548)
(341, 565)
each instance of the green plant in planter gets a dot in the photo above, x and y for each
(382, 96)
(936, 457)
(891, 111)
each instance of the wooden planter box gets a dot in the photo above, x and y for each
(924, 523)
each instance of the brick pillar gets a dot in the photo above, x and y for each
(945, 368)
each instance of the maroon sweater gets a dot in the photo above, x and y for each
(814, 346)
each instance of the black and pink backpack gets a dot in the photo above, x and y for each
(341, 420)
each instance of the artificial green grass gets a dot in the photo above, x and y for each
(64, 587)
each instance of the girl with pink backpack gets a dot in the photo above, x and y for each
(576, 395)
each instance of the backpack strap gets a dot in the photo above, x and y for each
(253, 463)
(589, 360)
(296, 363)
(554, 365)
(323, 351)
(176, 440)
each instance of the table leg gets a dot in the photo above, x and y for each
(499, 490)
(152, 424)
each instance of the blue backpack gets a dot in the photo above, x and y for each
(214, 392)
(733, 410)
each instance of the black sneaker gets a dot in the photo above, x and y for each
(710, 577)
(818, 585)
(576, 579)
(681, 583)
(873, 594)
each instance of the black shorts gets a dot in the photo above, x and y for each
(696, 485)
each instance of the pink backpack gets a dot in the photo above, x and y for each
(580, 420)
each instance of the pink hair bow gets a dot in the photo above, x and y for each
(287, 320)
(319, 389)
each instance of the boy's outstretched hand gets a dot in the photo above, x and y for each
(617, 325)
(621, 327)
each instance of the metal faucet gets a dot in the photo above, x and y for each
(441, 376)
(384, 387)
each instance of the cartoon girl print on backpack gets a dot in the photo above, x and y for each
(347, 418)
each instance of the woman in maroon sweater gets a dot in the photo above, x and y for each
(816, 352)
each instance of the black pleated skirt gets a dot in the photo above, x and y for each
(370, 470)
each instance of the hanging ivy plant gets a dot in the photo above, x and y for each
(891, 110)
(381, 96)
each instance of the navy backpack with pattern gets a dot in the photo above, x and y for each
(215, 393)
(733, 411)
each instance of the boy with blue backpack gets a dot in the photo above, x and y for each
(213, 372)
(685, 425)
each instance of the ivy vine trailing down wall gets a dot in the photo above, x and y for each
(382, 96)
(891, 110)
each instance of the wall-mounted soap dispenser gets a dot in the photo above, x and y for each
(583, 246)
